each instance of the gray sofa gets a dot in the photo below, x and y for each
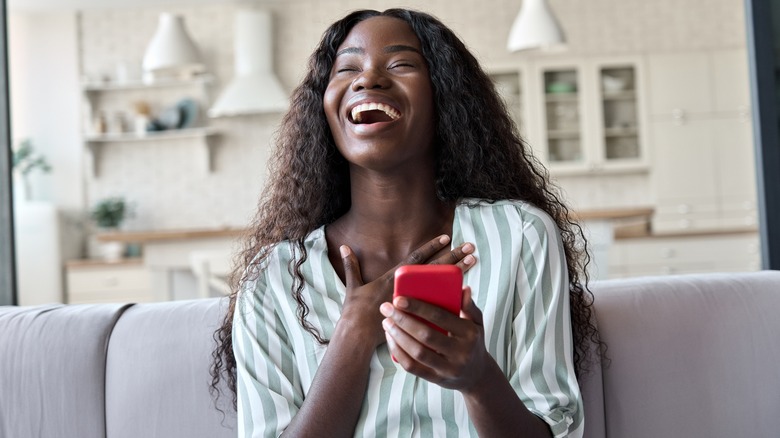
(689, 356)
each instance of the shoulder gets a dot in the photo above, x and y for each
(516, 213)
(270, 266)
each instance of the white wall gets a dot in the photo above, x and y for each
(44, 77)
(43, 70)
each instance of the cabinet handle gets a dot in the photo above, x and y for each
(669, 253)
(744, 113)
(678, 116)
(683, 209)
(111, 281)
(685, 223)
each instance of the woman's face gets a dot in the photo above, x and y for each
(379, 100)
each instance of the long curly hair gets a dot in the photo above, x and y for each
(480, 155)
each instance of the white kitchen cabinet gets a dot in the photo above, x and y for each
(699, 84)
(588, 115)
(509, 82)
(703, 168)
(109, 120)
(685, 254)
(100, 282)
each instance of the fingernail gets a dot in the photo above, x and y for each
(468, 260)
(401, 303)
(467, 248)
(344, 250)
(386, 324)
(386, 309)
(444, 239)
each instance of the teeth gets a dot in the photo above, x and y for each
(391, 112)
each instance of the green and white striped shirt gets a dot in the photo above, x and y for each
(520, 283)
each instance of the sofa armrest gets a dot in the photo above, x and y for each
(692, 355)
(52, 363)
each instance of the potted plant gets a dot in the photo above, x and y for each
(25, 161)
(108, 214)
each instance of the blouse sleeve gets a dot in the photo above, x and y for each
(267, 383)
(543, 373)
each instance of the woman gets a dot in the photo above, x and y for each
(415, 160)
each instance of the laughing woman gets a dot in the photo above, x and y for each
(397, 150)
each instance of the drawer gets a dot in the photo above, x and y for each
(108, 283)
(103, 279)
(688, 222)
(685, 207)
(128, 296)
(678, 251)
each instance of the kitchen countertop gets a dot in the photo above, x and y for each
(163, 235)
(614, 213)
(207, 233)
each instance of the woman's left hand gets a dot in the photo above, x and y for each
(456, 360)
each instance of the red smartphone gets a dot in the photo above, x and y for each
(440, 285)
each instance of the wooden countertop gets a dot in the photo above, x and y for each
(614, 213)
(207, 233)
(92, 263)
(163, 235)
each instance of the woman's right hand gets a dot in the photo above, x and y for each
(361, 305)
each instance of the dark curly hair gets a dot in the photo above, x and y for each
(479, 155)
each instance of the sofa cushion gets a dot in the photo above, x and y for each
(157, 376)
(692, 356)
(52, 363)
(592, 388)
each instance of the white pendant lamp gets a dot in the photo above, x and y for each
(254, 89)
(535, 27)
(171, 53)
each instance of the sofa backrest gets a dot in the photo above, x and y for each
(692, 356)
(157, 373)
(52, 369)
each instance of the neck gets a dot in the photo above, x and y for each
(394, 214)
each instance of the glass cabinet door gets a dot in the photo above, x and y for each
(619, 113)
(562, 114)
(509, 88)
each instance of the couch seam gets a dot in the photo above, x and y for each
(120, 312)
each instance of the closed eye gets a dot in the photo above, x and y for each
(402, 64)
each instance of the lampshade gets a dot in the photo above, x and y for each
(254, 89)
(171, 51)
(534, 27)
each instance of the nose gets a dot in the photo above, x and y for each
(370, 78)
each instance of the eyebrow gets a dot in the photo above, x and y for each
(389, 49)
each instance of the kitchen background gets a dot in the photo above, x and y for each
(683, 202)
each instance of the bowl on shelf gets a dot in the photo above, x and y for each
(613, 84)
(559, 87)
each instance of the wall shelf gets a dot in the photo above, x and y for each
(140, 85)
(204, 140)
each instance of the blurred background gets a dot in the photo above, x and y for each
(142, 129)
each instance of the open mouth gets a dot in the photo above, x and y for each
(368, 113)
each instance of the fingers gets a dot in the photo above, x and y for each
(462, 257)
(416, 339)
(351, 267)
(424, 253)
(469, 310)
(426, 323)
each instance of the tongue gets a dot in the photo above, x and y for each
(374, 116)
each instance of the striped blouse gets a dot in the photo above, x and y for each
(520, 283)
